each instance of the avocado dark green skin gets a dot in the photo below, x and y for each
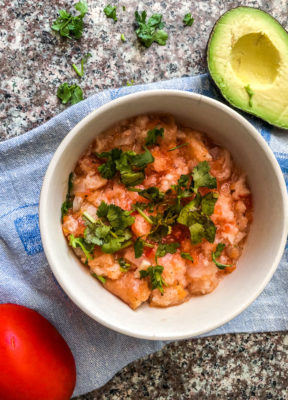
(210, 76)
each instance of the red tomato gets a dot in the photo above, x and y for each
(35, 361)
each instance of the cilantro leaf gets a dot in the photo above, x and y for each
(99, 277)
(132, 178)
(129, 164)
(187, 256)
(110, 12)
(200, 226)
(153, 135)
(68, 203)
(188, 20)
(178, 147)
(80, 242)
(83, 61)
(150, 31)
(155, 275)
(202, 177)
(208, 203)
(122, 37)
(152, 193)
(138, 247)
(142, 160)
(110, 231)
(124, 265)
(220, 247)
(68, 25)
(116, 216)
(165, 248)
(82, 7)
(69, 93)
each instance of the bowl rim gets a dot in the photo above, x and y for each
(77, 130)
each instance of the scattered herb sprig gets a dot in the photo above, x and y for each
(110, 12)
(82, 62)
(69, 93)
(68, 25)
(150, 31)
(188, 20)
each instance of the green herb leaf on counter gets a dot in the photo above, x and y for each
(123, 8)
(202, 177)
(188, 20)
(83, 61)
(69, 93)
(110, 12)
(68, 25)
(130, 83)
(123, 37)
(99, 277)
(217, 253)
(87, 248)
(155, 275)
(250, 93)
(153, 135)
(150, 31)
(187, 256)
(124, 265)
(68, 203)
(165, 248)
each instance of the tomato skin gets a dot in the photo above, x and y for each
(35, 361)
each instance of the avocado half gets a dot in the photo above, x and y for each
(248, 60)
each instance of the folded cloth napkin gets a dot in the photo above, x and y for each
(25, 276)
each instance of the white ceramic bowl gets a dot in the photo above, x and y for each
(263, 249)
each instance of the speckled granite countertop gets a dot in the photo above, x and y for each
(34, 61)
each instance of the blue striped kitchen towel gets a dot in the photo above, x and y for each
(25, 277)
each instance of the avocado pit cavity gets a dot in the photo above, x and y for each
(255, 60)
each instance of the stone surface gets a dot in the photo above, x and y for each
(228, 367)
(34, 62)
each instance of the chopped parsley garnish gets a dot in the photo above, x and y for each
(187, 256)
(123, 37)
(123, 8)
(188, 20)
(110, 12)
(202, 177)
(83, 61)
(68, 203)
(129, 164)
(86, 247)
(165, 248)
(124, 265)
(153, 135)
(250, 93)
(217, 253)
(99, 277)
(150, 31)
(68, 25)
(178, 147)
(111, 230)
(69, 93)
(155, 275)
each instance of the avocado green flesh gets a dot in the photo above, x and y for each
(248, 61)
